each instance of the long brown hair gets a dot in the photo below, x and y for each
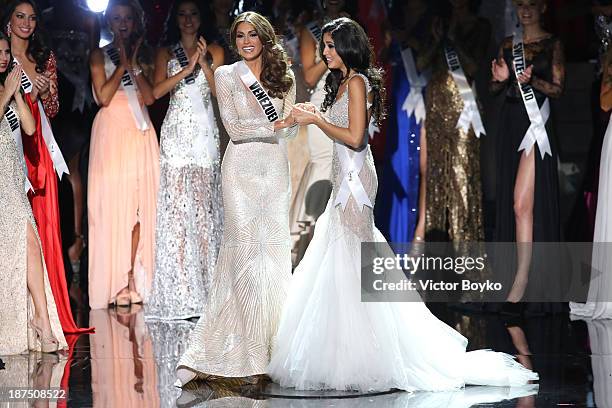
(274, 74)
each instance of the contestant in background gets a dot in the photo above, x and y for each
(42, 153)
(453, 203)
(233, 338)
(527, 208)
(599, 301)
(123, 165)
(27, 310)
(398, 208)
(189, 207)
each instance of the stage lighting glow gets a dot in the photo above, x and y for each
(97, 6)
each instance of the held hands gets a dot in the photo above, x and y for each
(11, 84)
(134, 57)
(305, 113)
(525, 76)
(202, 49)
(499, 70)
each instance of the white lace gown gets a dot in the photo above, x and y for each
(329, 339)
(233, 338)
(189, 208)
(599, 301)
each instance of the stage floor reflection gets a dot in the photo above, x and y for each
(130, 363)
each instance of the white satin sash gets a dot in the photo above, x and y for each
(351, 183)
(470, 116)
(204, 141)
(536, 133)
(414, 103)
(13, 121)
(315, 31)
(59, 164)
(128, 84)
(265, 102)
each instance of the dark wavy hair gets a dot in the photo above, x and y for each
(275, 75)
(172, 34)
(145, 54)
(37, 44)
(4, 74)
(353, 46)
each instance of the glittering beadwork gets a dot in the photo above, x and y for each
(233, 338)
(189, 210)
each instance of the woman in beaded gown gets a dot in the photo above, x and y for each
(527, 208)
(453, 198)
(123, 165)
(233, 338)
(189, 207)
(27, 309)
(328, 338)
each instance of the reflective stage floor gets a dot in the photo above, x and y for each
(130, 363)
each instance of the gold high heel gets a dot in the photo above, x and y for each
(122, 300)
(135, 297)
(47, 344)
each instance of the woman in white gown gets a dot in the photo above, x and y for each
(328, 338)
(599, 301)
(233, 337)
(189, 210)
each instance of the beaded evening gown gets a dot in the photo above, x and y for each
(329, 339)
(233, 337)
(189, 207)
(16, 307)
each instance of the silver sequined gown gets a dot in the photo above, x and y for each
(233, 338)
(189, 209)
(329, 339)
(16, 307)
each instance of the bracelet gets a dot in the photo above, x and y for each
(136, 71)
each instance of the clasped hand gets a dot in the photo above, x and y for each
(305, 113)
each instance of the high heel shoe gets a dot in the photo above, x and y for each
(135, 297)
(122, 300)
(48, 344)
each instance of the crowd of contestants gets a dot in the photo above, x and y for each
(146, 209)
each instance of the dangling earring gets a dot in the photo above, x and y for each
(8, 29)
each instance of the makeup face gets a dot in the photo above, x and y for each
(121, 21)
(329, 52)
(23, 21)
(5, 55)
(248, 42)
(188, 18)
(529, 11)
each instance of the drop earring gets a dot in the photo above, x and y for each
(8, 29)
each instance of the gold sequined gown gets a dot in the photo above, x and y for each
(16, 307)
(233, 337)
(454, 197)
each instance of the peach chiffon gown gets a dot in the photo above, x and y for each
(122, 191)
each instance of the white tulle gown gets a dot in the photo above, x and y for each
(329, 339)
(599, 302)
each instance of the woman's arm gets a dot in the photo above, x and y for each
(605, 95)
(104, 88)
(555, 88)
(289, 126)
(50, 99)
(28, 124)
(313, 71)
(500, 73)
(357, 110)
(218, 59)
(163, 83)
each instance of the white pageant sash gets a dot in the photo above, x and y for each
(130, 87)
(315, 31)
(470, 114)
(351, 183)
(536, 133)
(13, 121)
(54, 151)
(414, 103)
(204, 140)
(248, 78)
